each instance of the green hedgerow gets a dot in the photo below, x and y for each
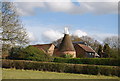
(94, 61)
(62, 67)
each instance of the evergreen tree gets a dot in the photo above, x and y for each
(106, 50)
(100, 52)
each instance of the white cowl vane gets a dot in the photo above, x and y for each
(66, 30)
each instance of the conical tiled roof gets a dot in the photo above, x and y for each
(66, 44)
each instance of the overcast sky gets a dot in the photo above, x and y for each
(45, 21)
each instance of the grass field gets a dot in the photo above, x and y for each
(30, 74)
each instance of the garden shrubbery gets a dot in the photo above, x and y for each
(62, 67)
(29, 53)
(94, 61)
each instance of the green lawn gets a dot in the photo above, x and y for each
(30, 74)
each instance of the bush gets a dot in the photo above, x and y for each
(29, 53)
(94, 61)
(62, 67)
(67, 56)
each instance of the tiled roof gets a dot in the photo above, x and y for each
(86, 48)
(45, 47)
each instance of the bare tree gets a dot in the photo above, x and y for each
(12, 32)
(91, 42)
(112, 41)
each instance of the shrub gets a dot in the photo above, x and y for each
(94, 61)
(62, 67)
(16, 53)
(67, 56)
(29, 53)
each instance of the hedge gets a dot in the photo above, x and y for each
(62, 67)
(94, 61)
